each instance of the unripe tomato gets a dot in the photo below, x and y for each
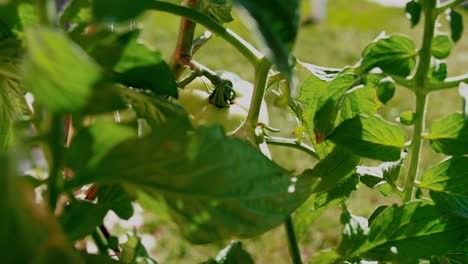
(195, 99)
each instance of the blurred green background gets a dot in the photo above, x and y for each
(336, 42)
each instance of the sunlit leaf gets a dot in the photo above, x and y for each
(12, 102)
(447, 182)
(406, 118)
(59, 74)
(401, 233)
(392, 54)
(322, 99)
(449, 135)
(441, 46)
(362, 100)
(371, 137)
(318, 202)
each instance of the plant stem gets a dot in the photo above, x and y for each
(183, 51)
(403, 81)
(421, 91)
(451, 82)
(245, 48)
(261, 75)
(291, 143)
(100, 242)
(416, 145)
(292, 241)
(448, 5)
(55, 141)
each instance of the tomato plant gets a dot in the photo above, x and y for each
(94, 121)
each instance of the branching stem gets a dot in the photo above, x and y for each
(421, 82)
(245, 48)
(183, 51)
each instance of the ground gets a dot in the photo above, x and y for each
(336, 43)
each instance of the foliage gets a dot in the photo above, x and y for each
(104, 115)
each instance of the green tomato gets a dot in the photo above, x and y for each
(195, 99)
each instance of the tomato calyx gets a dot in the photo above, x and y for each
(223, 94)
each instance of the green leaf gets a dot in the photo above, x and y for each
(385, 90)
(326, 256)
(454, 203)
(215, 187)
(158, 111)
(278, 23)
(361, 100)
(28, 231)
(451, 259)
(399, 234)
(116, 199)
(447, 182)
(12, 102)
(415, 230)
(449, 135)
(392, 54)
(15, 17)
(371, 137)
(129, 60)
(456, 25)
(106, 98)
(58, 73)
(81, 218)
(387, 172)
(322, 99)
(139, 67)
(76, 11)
(413, 11)
(133, 251)
(355, 232)
(441, 46)
(439, 71)
(336, 166)
(99, 259)
(220, 10)
(406, 118)
(318, 202)
(233, 254)
(92, 144)
(113, 11)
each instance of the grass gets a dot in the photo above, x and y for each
(337, 42)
